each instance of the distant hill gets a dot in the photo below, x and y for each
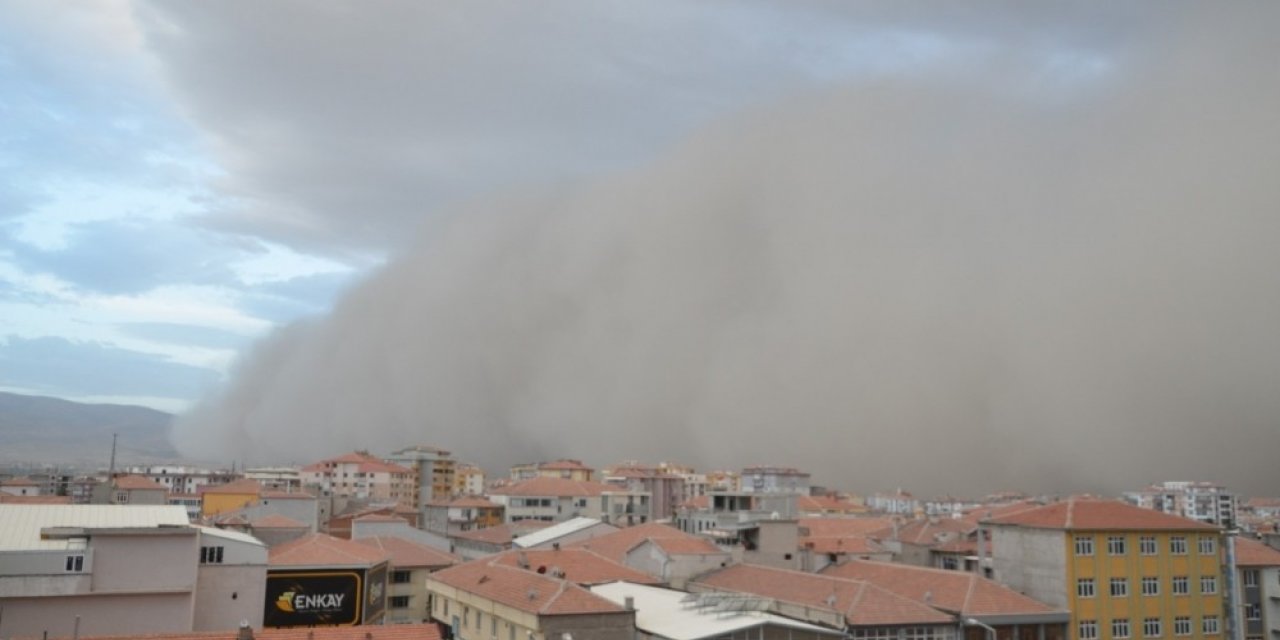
(37, 429)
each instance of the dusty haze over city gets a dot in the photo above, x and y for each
(952, 249)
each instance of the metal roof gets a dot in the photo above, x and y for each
(677, 615)
(559, 530)
(230, 535)
(20, 524)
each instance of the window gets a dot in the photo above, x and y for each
(1084, 588)
(446, 608)
(1150, 586)
(122, 497)
(1120, 628)
(1207, 546)
(1178, 545)
(1208, 584)
(1181, 586)
(1250, 577)
(210, 555)
(875, 634)
(400, 577)
(1147, 545)
(1253, 611)
(1182, 626)
(1084, 547)
(1115, 545)
(1210, 625)
(493, 626)
(398, 602)
(1119, 587)
(75, 564)
(1151, 627)
(1088, 630)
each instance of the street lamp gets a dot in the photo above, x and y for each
(991, 631)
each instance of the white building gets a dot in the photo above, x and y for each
(123, 570)
(180, 479)
(1201, 501)
(769, 479)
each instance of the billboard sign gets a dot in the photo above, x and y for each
(375, 596)
(313, 598)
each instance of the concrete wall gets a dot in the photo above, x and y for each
(674, 570)
(1032, 561)
(399, 530)
(600, 626)
(130, 562)
(416, 590)
(227, 594)
(1269, 581)
(304, 510)
(127, 615)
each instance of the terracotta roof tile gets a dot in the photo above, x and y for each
(1251, 553)
(502, 534)
(244, 485)
(277, 521)
(1084, 514)
(19, 482)
(554, 487)
(927, 532)
(473, 502)
(580, 566)
(687, 546)
(861, 603)
(137, 483)
(953, 591)
(523, 590)
(616, 545)
(379, 517)
(407, 553)
(319, 549)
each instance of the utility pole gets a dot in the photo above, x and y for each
(111, 470)
(1232, 599)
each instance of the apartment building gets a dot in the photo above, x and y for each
(558, 499)
(411, 563)
(468, 479)
(565, 469)
(665, 489)
(771, 479)
(467, 513)
(123, 569)
(1258, 574)
(898, 502)
(434, 470)
(1121, 570)
(361, 476)
(183, 479)
(1200, 501)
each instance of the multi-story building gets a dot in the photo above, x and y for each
(411, 563)
(468, 479)
(899, 502)
(557, 500)
(123, 569)
(359, 475)
(278, 478)
(724, 481)
(1121, 570)
(565, 469)
(180, 479)
(135, 489)
(433, 471)
(665, 489)
(1201, 501)
(468, 513)
(768, 479)
(1258, 572)
(319, 580)
(20, 487)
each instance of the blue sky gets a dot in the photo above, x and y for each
(178, 179)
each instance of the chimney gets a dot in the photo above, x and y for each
(629, 602)
(246, 631)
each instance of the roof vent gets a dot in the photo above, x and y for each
(532, 594)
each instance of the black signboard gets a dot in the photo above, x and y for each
(313, 598)
(375, 597)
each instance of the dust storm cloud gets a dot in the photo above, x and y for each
(951, 283)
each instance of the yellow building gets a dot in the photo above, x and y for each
(565, 469)
(1124, 572)
(229, 497)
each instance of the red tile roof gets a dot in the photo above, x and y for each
(243, 485)
(365, 463)
(1091, 514)
(472, 502)
(687, 546)
(861, 603)
(410, 554)
(580, 566)
(808, 504)
(523, 590)
(379, 517)
(373, 632)
(19, 482)
(564, 465)
(10, 499)
(952, 591)
(843, 535)
(554, 487)
(277, 521)
(854, 545)
(321, 550)
(1251, 553)
(927, 532)
(137, 483)
(616, 545)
